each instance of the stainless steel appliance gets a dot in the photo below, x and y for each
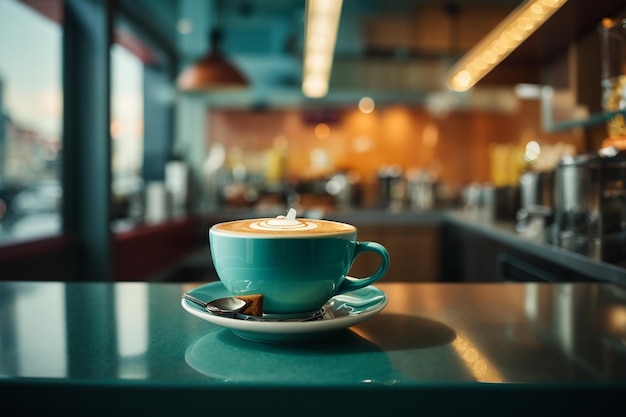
(535, 214)
(590, 206)
(536, 189)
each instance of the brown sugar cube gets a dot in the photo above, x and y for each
(254, 305)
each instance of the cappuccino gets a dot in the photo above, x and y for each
(283, 227)
(296, 264)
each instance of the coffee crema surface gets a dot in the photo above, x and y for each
(281, 227)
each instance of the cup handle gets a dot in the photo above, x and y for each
(351, 284)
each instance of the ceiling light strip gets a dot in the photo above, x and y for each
(500, 42)
(322, 23)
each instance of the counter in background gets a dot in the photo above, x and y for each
(484, 248)
(412, 239)
(478, 248)
(457, 246)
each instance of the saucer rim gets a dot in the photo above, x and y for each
(286, 328)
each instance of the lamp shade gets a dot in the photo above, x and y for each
(211, 72)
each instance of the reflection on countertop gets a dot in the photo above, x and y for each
(510, 346)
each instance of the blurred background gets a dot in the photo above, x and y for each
(106, 147)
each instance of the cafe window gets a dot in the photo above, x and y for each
(30, 122)
(141, 106)
(126, 135)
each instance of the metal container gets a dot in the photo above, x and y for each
(537, 189)
(535, 215)
(421, 190)
(590, 206)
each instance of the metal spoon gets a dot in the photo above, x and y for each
(232, 306)
(228, 306)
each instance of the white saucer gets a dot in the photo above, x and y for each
(341, 311)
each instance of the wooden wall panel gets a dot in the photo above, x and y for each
(455, 146)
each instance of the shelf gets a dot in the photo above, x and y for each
(574, 20)
(590, 121)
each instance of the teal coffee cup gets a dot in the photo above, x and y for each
(297, 265)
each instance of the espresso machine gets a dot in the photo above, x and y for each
(590, 206)
(590, 190)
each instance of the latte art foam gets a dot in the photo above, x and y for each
(282, 227)
(276, 225)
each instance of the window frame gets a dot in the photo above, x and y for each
(86, 247)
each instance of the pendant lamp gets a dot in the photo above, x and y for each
(211, 72)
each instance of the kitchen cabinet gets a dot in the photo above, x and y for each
(576, 19)
(414, 251)
(469, 257)
(479, 256)
(564, 54)
(572, 94)
(46, 259)
(147, 251)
